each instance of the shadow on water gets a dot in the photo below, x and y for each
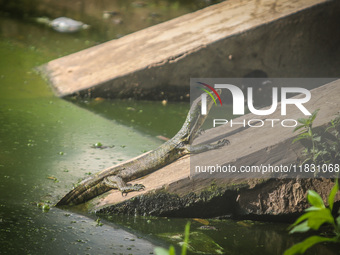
(219, 236)
(150, 117)
(46, 142)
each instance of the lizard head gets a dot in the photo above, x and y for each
(195, 118)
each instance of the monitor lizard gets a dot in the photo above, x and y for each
(116, 177)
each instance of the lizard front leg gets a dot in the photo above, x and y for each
(116, 182)
(206, 147)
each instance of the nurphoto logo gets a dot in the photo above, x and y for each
(239, 99)
(250, 120)
(242, 98)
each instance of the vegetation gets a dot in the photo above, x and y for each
(320, 147)
(44, 206)
(315, 216)
(171, 251)
(99, 223)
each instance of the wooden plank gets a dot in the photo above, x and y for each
(255, 146)
(166, 44)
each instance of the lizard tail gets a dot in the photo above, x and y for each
(70, 197)
(83, 193)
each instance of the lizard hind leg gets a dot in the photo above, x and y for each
(116, 182)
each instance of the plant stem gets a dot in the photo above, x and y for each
(310, 131)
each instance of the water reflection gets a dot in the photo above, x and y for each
(150, 117)
(225, 236)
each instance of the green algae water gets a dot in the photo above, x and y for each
(46, 145)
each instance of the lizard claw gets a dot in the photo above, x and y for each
(130, 188)
(139, 187)
(223, 142)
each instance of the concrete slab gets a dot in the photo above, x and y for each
(249, 147)
(282, 38)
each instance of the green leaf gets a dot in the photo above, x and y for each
(301, 136)
(313, 116)
(300, 248)
(320, 217)
(303, 227)
(302, 218)
(338, 221)
(298, 127)
(317, 138)
(296, 139)
(316, 155)
(310, 134)
(302, 121)
(161, 251)
(186, 238)
(314, 219)
(315, 199)
(304, 135)
(306, 161)
(172, 250)
(313, 208)
(332, 194)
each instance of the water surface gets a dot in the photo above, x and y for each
(46, 145)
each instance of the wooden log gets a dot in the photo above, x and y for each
(171, 192)
(229, 39)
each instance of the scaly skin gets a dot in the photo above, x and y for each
(116, 177)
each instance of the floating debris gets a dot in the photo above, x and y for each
(44, 207)
(63, 24)
(98, 221)
(53, 178)
(163, 138)
(205, 227)
(101, 146)
(203, 221)
(109, 14)
(99, 99)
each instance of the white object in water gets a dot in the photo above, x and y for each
(67, 25)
